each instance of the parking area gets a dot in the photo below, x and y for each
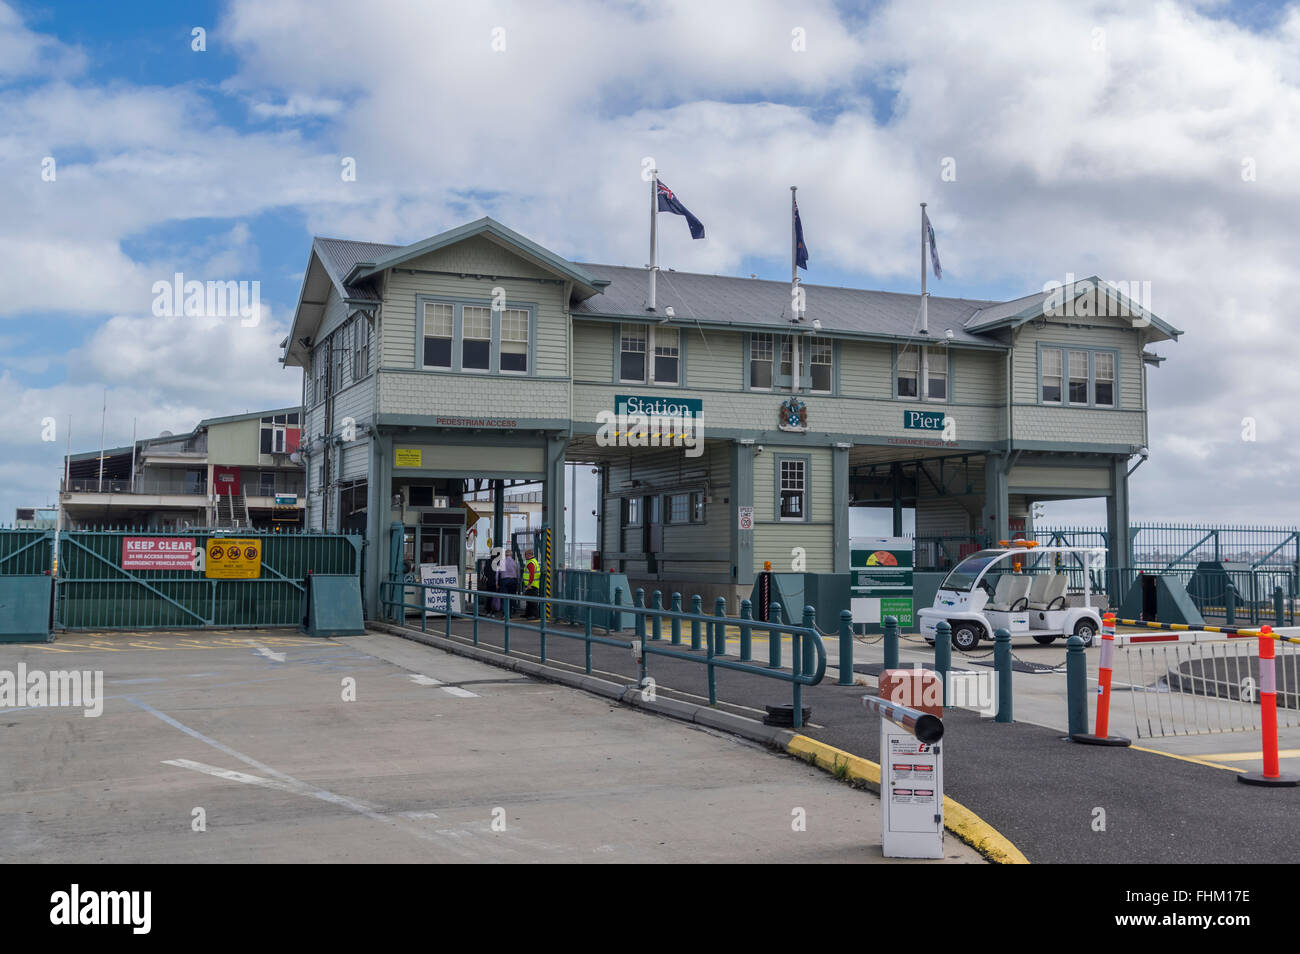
(265, 746)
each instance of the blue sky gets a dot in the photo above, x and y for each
(1090, 136)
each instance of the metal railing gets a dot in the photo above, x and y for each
(708, 634)
(1172, 546)
(1202, 683)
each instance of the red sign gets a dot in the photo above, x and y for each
(158, 553)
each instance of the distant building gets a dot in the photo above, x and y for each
(36, 518)
(237, 471)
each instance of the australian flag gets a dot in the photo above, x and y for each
(800, 249)
(670, 203)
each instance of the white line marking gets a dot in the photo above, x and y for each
(420, 680)
(461, 693)
(263, 651)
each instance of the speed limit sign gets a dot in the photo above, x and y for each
(746, 517)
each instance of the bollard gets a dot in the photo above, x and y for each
(697, 609)
(891, 642)
(1076, 686)
(846, 648)
(1002, 663)
(1272, 774)
(720, 629)
(774, 638)
(1279, 607)
(746, 632)
(1230, 605)
(809, 650)
(943, 654)
(677, 623)
(1101, 736)
(638, 602)
(657, 601)
(613, 621)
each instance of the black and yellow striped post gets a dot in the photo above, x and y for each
(547, 574)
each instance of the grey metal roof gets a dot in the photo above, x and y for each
(340, 256)
(721, 299)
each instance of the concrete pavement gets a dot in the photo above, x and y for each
(374, 748)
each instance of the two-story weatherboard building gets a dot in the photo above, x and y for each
(438, 368)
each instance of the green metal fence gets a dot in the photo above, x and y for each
(94, 591)
(26, 552)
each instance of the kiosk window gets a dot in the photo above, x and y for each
(697, 507)
(679, 508)
(794, 493)
(632, 512)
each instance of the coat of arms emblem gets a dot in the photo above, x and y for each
(793, 415)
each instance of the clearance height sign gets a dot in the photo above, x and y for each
(230, 558)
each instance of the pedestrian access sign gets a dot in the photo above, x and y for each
(229, 558)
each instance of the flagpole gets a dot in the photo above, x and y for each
(654, 238)
(925, 295)
(103, 414)
(794, 293)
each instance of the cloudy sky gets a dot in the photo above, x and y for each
(1140, 141)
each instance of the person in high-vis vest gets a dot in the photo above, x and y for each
(532, 579)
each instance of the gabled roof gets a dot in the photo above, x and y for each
(751, 302)
(1012, 314)
(340, 257)
(586, 284)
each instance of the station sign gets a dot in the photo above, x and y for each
(233, 558)
(923, 420)
(157, 553)
(657, 405)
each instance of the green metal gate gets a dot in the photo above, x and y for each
(93, 591)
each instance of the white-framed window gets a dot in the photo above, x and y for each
(909, 373)
(272, 433)
(632, 353)
(697, 507)
(1079, 377)
(793, 476)
(679, 508)
(649, 354)
(760, 362)
(631, 511)
(514, 340)
(439, 328)
(667, 355)
(476, 338)
(321, 365)
(1103, 373)
(821, 357)
(1052, 371)
(360, 347)
(936, 375)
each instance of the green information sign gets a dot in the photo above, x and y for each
(881, 581)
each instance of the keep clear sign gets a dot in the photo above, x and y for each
(231, 558)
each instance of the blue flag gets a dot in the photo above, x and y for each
(670, 203)
(800, 250)
(934, 252)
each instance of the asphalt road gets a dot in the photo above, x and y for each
(435, 758)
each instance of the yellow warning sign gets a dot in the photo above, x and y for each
(406, 457)
(230, 558)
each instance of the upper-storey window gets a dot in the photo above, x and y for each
(760, 361)
(360, 347)
(274, 432)
(1077, 377)
(821, 356)
(438, 334)
(474, 337)
(922, 372)
(648, 354)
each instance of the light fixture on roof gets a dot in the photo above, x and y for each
(948, 334)
(817, 324)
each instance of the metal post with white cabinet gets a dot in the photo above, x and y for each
(911, 780)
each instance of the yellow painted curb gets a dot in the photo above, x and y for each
(957, 818)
